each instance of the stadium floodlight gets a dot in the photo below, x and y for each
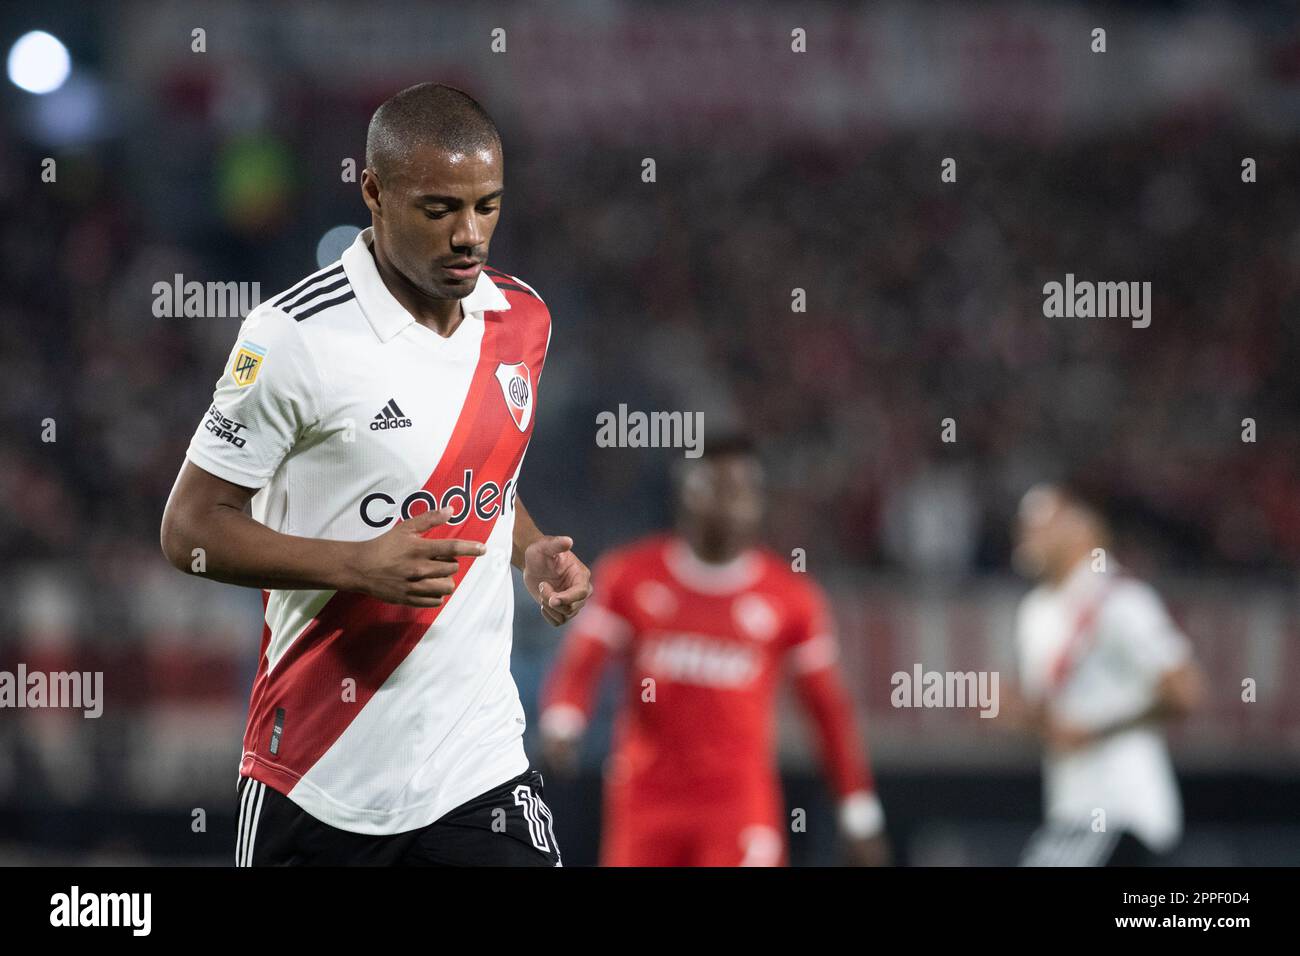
(39, 62)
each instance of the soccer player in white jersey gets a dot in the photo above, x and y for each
(1102, 665)
(373, 418)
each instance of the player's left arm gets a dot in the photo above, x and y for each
(553, 575)
(1177, 693)
(817, 682)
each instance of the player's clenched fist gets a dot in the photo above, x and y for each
(402, 567)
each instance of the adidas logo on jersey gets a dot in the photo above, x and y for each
(390, 417)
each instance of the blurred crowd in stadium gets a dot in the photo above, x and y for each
(923, 303)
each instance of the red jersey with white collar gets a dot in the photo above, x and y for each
(703, 648)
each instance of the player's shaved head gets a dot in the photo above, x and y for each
(433, 182)
(428, 115)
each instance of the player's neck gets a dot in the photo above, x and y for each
(442, 316)
(709, 552)
(443, 326)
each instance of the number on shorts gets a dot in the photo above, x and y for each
(538, 815)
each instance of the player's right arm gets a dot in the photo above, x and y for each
(1021, 708)
(267, 399)
(207, 532)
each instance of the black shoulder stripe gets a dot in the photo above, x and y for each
(498, 274)
(308, 313)
(337, 270)
(313, 295)
(518, 288)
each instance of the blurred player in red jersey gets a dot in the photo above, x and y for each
(704, 621)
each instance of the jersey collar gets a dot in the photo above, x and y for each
(739, 573)
(384, 313)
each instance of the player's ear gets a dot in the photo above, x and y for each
(371, 190)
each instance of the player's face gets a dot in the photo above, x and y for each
(440, 211)
(1038, 531)
(723, 500)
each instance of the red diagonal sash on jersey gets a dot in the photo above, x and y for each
(360, 637)
(1075, 646)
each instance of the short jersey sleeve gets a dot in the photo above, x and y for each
(812, 642)
(265, 400)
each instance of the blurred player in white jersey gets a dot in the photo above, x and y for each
(1102, 667)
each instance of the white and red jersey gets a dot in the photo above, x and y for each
(348, 415)
(703, 648)
(1093, 649)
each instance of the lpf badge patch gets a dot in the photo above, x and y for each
(248, 361)
(517, 387)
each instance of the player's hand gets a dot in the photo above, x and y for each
(557, 580)
(403, 567)
(1018, 713)
(869, 851)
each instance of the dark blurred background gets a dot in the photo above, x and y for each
(775, 171)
